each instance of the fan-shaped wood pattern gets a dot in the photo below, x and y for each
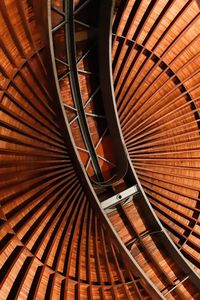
(53, 244)
(156, 64)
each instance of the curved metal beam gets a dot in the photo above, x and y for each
(114, 126)
(107, 86)
(73, 75)
(130, 262)
(69, 24)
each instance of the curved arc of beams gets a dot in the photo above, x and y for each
(129, 261)
(107, 7)
(165, 68)
(181, 86)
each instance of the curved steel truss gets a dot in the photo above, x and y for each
(155, 233)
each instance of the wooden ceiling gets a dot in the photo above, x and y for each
(54, 244)
(156, 69)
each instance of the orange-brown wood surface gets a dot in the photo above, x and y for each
(156, 63)
(52, 243)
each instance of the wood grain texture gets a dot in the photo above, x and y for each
(53, 245)
(156, 63)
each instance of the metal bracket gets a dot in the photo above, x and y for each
(114, 200)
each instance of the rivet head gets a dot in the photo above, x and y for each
(119, 196)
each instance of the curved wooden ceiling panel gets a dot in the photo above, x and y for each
(156, 64)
